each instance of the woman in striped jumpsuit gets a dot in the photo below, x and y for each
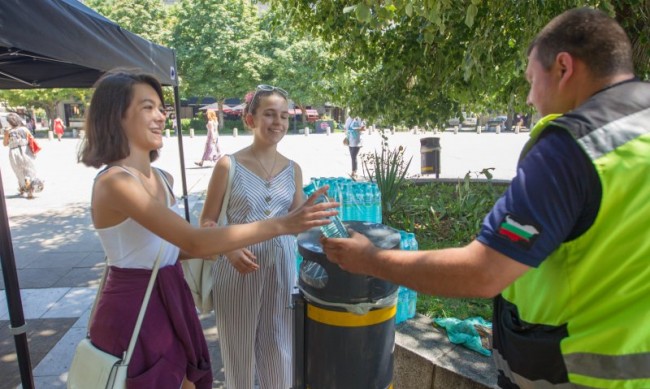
(253, 285)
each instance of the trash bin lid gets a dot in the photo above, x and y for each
(327, 281)
(430, 142)
(380, 235)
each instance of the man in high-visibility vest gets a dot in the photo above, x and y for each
(566, 250)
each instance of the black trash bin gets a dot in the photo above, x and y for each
(430, 156)
(346, 334)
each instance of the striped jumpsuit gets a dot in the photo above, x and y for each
(252, 310)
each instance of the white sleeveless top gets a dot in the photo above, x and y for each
(130, 245)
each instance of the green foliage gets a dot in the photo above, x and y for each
(388, 170)
(45, 99)
(146, 18)
(300, 64)
(419, 61)
(198, 124)
(443, 214)
(447, 215)
(230, 125)
(461, 308)
(218, 47)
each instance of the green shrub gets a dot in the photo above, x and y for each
(229, 125)
(447, 215)
(388, 170)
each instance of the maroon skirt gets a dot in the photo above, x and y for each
(171, 344)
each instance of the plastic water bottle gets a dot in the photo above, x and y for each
(335, 229)
(361, 200)
(413, 295)
(298, 262)
(404, 243)
(402, 305)
(406, 298)
(377, 203)
(314, 274)
(368, 203)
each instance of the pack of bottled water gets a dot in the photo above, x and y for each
(359, 201)
(406, 298)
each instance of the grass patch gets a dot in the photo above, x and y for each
(447, 215)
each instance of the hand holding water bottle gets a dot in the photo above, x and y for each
(355, 254)
(335, 229)
(309, 214)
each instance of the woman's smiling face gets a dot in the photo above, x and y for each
(271, 119)
(144, 119)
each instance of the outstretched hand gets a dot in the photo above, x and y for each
(354, 254)
(309, 215)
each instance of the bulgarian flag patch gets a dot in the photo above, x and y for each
(517, 231)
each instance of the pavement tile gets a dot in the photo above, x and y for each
(42, 336)
(93, 259)
(57, 361)
(80, 277)
(36, 302)
(73, 304)
(57, 258)
(82, 322)
(41, 277)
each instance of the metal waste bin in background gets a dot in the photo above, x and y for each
(430, 156)
(345, 323)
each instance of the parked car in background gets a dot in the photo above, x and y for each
(496, 121)
(453, 122)
(469, 120)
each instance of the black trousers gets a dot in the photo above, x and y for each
(354, 152)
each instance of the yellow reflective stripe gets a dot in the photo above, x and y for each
(346, 319)
(580, 381)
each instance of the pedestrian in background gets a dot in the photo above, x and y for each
(138, 220)
(253, 285)
(565, 250)
(353, 133)
(59, 127)
(21, 158)
(212, 150)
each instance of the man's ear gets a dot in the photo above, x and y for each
(564, 67)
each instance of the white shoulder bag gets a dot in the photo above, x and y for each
(94, 368)
(198, 271)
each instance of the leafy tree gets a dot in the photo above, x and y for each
(146, 18)
(219, 48)
(420, 61)
(301, 64)
(47, 99)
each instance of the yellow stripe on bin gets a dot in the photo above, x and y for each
(346, 319)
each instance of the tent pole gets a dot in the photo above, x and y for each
(12, 290)
(179, 135)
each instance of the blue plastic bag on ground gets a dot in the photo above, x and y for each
(471, 333)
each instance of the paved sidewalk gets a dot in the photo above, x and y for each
(59, 259)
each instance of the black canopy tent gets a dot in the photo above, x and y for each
(64, 44)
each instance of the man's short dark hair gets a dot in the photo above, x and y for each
(589, 35)
(105, 139)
